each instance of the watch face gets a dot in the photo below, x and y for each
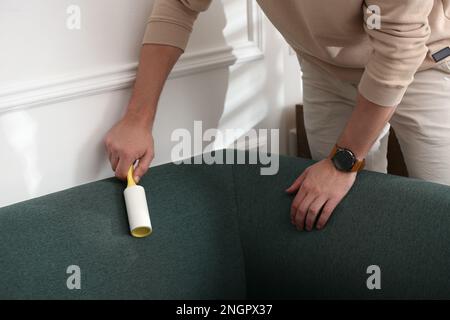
(344, 160)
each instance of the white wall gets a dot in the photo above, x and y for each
(61, 90)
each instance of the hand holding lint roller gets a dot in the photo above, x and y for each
(137, 209)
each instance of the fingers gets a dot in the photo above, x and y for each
(112, 153)
(301, 194)
(326, 212)
(303, 210)
(297, 183)
(127, 141)
(320, 191)
(123, 166)
(313, 212)
(299, 197)
(143, 165)
(114, 160)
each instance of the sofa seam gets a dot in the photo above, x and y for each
(236, 204)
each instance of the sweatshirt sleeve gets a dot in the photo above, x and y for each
(171, 21)
(399, 48)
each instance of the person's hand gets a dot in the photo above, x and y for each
(320, 189)
(127, 141)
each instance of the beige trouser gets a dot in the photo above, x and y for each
(421, 122)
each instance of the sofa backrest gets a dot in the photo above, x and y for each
(387, 226)
(223, 231)
(193, 253)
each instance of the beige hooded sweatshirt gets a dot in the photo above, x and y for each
(340, 36)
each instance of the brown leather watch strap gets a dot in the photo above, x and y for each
(333, 151)
(359, 164)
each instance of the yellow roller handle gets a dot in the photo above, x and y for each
(130, 178)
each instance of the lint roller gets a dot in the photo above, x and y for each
(137, 209)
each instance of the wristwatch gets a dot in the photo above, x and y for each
(345, 160)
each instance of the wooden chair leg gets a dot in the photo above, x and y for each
(396, 162)
(302, 140)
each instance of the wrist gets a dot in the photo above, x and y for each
(359, 148)
(340, 172)
(344, 159)
(140, 115)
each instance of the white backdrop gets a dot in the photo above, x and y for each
(61, 89)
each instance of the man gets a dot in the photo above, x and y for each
(358, 79)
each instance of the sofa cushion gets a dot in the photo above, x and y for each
(208, 218)
(401, 225)
(193, 253)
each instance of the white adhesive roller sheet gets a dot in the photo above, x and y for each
(137, 209)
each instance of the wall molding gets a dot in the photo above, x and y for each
(74, 86)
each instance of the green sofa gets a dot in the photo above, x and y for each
(224, 232)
